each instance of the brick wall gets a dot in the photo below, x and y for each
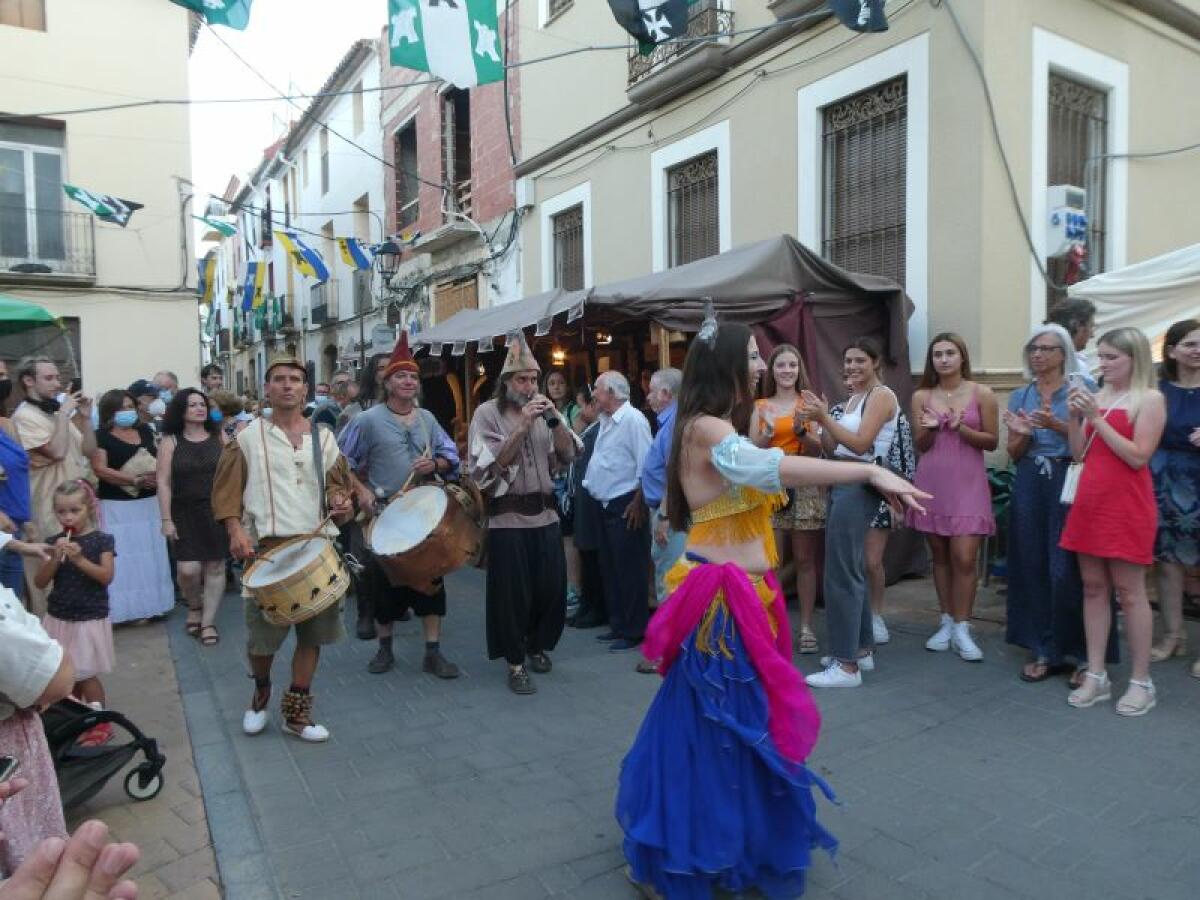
(491, 166)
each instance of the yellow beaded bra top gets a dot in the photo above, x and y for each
(740, 514)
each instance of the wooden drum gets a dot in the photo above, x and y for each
(426, 533)
(299, 579)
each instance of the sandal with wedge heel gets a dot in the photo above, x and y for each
(1096, 688)
(1129, 705)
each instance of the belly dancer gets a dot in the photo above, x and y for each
(714, 793)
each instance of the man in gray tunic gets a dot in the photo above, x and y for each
(384, 446)
(516, 443)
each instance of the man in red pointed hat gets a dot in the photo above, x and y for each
(385, 445)
(517, 442)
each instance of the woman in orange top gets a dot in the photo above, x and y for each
(778, 422)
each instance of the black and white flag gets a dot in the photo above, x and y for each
(652, 21)
(860, 15)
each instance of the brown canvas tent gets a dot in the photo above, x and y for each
(778, 285)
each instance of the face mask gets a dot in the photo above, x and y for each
(126, 418)
(5, 388)
(216, 415)
(157, 408)
(165, 396)
(265, 412)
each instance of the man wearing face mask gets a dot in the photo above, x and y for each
(517, 441)
(57, 436)
(150, 406)
(167, 384)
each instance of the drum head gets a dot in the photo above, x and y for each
(407, 521)
(283, 561)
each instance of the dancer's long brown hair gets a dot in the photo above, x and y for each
(716, 382)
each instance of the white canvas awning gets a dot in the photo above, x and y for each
(1149, 295)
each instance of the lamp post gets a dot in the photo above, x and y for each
(387, 260)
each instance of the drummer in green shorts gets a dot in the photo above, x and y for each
(267, 490)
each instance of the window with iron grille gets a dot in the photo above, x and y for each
(693, 210)
(559, 6)
(567, 227)
(1078, 131)
(864, 159)
(404, 150)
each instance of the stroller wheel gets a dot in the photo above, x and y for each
(140, 789)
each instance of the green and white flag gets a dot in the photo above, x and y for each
(456, 40)
(231, 13)
(224, 229)
(104, 207)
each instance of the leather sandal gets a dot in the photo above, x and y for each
(1171, 645)
(209, 636)
(192, 627)
(808, 641)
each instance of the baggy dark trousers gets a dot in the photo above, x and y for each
(625, 570)
(526, 591)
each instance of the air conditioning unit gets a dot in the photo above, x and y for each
(1067, 223)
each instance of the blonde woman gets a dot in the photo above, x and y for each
(1113, 520)
(778, 421)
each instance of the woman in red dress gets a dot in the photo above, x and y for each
(1112, 524)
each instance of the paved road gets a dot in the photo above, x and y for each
(955, 780)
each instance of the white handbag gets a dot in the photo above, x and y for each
(1075, 469)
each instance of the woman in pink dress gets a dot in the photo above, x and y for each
(956, 421)
(1114, 518)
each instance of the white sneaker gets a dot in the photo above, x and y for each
(964, 646)
(865, 663)
(880, 630)
(313, 734)
(941, 638)
(834, 676)
(254, 721)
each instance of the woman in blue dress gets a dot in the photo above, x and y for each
(714, 793)
(14, 488)
(1176, 470)
(1045, 594)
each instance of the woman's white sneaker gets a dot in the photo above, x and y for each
(865, 663)
(941, 638)
(964, 646)
(834, 676)
(879, 630)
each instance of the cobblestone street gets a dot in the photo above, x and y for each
(955, 780)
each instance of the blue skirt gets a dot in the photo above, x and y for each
(705, 799)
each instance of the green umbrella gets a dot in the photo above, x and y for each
(18, 315)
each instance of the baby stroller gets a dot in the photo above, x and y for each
(83, 770)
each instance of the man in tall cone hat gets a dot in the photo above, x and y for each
(516, 443)
(392, 445)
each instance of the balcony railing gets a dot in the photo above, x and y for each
(46, 243)
(323, 302)
(707, 19)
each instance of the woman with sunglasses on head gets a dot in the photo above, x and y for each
(1113, 518)
(1045, 594)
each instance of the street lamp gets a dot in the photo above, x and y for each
(387, 260)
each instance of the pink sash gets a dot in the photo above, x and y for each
(793, 718)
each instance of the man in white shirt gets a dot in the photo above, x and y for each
(613, 479)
